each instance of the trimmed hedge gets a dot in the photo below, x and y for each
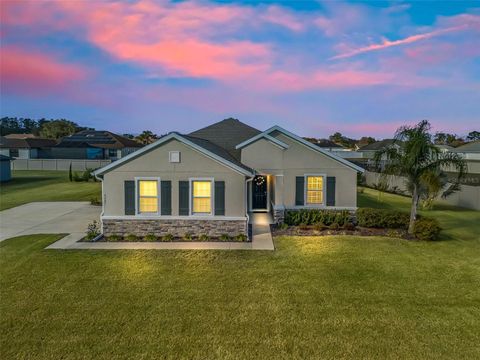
(426, 229)
(316, 216)
(381, 218)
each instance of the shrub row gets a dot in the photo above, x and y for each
(317, 216)
(382, 218)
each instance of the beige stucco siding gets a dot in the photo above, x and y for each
(299, 160)
(156, 164)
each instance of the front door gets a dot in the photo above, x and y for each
(259, 193)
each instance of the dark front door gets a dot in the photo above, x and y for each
(259, 193)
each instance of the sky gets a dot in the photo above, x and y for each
(363, 68)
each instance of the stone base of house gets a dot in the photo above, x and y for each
(278, 216)
(177, 228)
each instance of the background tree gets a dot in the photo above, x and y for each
(128, 136)
(365, 140)
(57, 129)
(473, 136)
(146, 137)
(414, 156)
(338, 138)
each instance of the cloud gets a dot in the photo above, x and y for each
(35, 73)
(387, 43)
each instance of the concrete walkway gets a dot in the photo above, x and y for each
(69, 217)
(262, 240)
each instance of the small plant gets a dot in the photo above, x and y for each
(283, 226)
(76, 177)
(241, 237)
(426, 229)
(204, 237)
(131, 237)
(349, 226)
(93, 230)
(225, 237)
(95, 201)
(114, 237)
(320, 226)
(393, 233)
(334, 226)
(187, 236)
(150, 237)
(168, 237)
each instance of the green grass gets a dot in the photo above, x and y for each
(29, 186)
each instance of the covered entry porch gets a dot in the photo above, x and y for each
(265, 195)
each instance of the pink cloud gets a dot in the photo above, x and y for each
(36, 73)
(279, 16)
(387, 43)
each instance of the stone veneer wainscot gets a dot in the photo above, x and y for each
(177, 228)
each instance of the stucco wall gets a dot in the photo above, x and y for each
(299, 160)
(156, 164)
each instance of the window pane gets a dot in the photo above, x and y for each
(314, 197)
(314, 183)
(202, 188)
(148, 205)
(202, 205)
(148, 187)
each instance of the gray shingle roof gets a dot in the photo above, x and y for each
(473, 146)
(377, 145)
(227, 134)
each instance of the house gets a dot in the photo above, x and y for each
(94, 144)
(209, 181)
(20, 136)
(368, 151)
(329, 145)
(444, 148)
(26, 148)
(5, 168)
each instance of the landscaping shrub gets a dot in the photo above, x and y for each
(204, 237)
(168, 237)
(225, 237)
(114, 238)
(95, 201)
(93, 230)
(241, 237)
(131, 237)
(188, 237)
(381, 218)
(426, 229)
(317, 216)
(150, 237)
(283, 226)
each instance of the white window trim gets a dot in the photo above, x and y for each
(137, 196)
(324, 190)
(212, 197)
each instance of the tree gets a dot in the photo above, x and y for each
(57, 129)
(365, 140)
(146, 137)
(473, 136)
(128, 136)
(454, 140)
(414, 156)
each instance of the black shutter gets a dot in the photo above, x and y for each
(331, 191)
(129, 197)
(183, 198)
(219, 197)
(166, 197)
(299, 190)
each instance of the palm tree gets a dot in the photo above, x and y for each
(414, 156)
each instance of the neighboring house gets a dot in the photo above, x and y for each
(5, 172)
(471, 150)
(368, 151)
(444, 148)
(93, 144)
(329, 145)
(208, 182)
(26, 148)
(20, 136)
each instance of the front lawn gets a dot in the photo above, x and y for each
(29, 186)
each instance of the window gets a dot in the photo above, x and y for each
(314, 190)
(201, 197)
(147, 196)
(14, 153)
(174, 156)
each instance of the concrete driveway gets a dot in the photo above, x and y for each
(48, 218)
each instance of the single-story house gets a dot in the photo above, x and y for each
(5, 168)
(26, 148)
(209, 181)
(329, 145)
(94, 144)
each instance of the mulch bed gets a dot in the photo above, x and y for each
(358, 231)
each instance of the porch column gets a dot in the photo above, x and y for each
(278, 208)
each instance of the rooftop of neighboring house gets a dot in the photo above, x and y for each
(445, 147)
(20, 136)
(27, 143)
(328, 144)
(471, 147)
(98, 139)
(377, 145)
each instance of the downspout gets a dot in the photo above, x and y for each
(246, 203)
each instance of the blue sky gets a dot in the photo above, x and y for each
(314, 67)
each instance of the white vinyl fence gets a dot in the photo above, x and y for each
(468, 196)
(57, 164)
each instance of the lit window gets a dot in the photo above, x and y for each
(202, 197)
(148, 196)
(314, 190)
